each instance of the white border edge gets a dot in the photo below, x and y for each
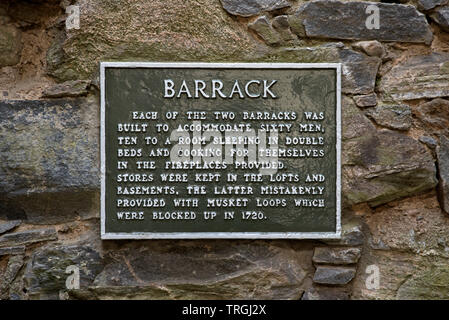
(219, 235)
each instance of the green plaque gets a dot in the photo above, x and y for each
(220, 150)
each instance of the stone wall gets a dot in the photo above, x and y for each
(395, 149)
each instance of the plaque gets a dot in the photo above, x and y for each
(220, 150)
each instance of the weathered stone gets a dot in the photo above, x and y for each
(351, 235)
(326, 293)
(368, 100)
(397, 117)
(380, 166)
(329, 255)
(426, 5)
(418, 77)
(428, 141)
(434, 115)
(67, 89)
(50, 148)
(46, 272)
(5, 227)
(169, 30)
(27, 237)
(280, 24)
(203, 271)
(249, 8)
(333, 275)
(10, 45)
(432, 283)
(441, 17)
(371, 48)
(359, 72)
(12, 250)
(342, 20)
(264, 29)
(443, 172)
(415, 225)
(15, 263)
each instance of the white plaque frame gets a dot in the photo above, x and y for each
(219, 235)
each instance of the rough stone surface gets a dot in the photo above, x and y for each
(10, 45)
(418, 77)
(381, 165)
(281, 25)
(426, 5)
(326, 293)
(371, 48)
(187, 271)
(326, 255)
(443, 172)
(249, 8)
(169, 30)
(333, 275)
(74, 88)
(12, 250)
(359, 72)
(46, 271)
(263, 28)
(50, 149)
(341, 20)
(27, 237)
(5, 227)
(398, 117)
(15, 263)
(434, 116)
(428, 141)
(367, 100)
(441, 17)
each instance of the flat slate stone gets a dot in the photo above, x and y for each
(381, 165)
(443, 172)
(249, 8)
(345, 20)
(74, 88)
(418, 77)
(426, 5)
(27, 237)
(398, 117)
(5, 227)
(333, 275)
(329, 255)
(367, 100)
(434, 116)
(441, 17)
(12, 250)
(263, 28)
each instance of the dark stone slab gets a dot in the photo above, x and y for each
(346, 20)
(426, 5)
(12, 250)
(441, 17)
(15, 263)
(50, 159)
(46, 272)
(209, 270)
(249, 8)
(8, 226)
(398, 117)
(333, 275)
(27, 237)
(434, 116)
(381, 165)
(329, 255)
(443, 173)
